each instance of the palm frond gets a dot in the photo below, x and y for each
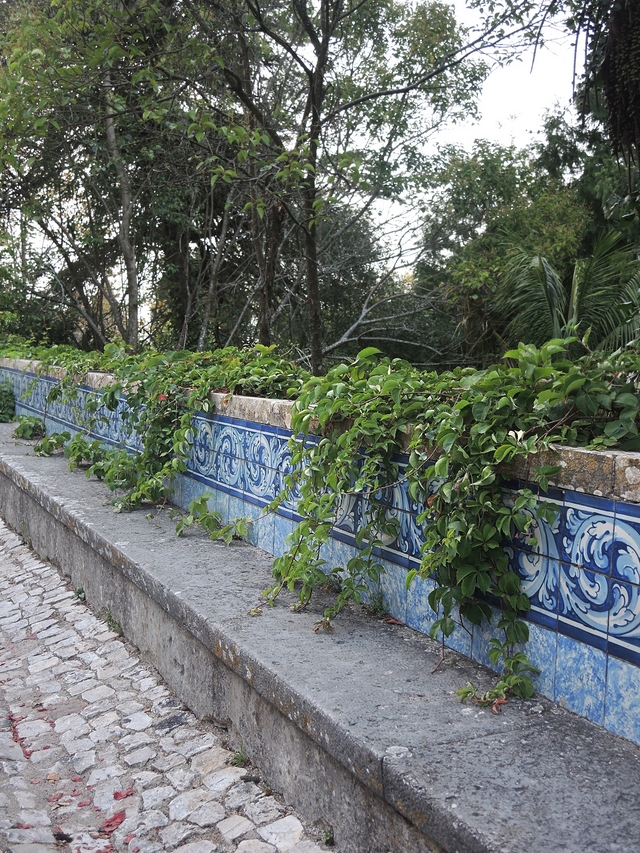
(534, 297)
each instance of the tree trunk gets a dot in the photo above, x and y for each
(124, 232)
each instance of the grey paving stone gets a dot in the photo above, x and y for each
(221, 780)
(11, 751)
(182, 778)
(32, 728)
(264, 810)
(208, 814)
(304, 847)
(234, 827)
(168, 762)
(252, 845)
(140, 757)
(144, 779)
(84, 761)
(182, 805)
(154, 819)
(154, 797)
(37, 835)
(283, 833)
(103, 737)
(210, 760)
(241, 794)
(102, 691)
(176, 833)
(69, 722)
(138, 722)
(198, 847)
(131, 741)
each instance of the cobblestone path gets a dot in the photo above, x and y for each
(96, 754)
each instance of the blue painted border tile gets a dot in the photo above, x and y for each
(581, 675)
(592, 639)
(237, 508)
(419, 614)
(542, 651)
(282, 528)
(622, 714)
(220, 503)
(462, 637)
(394, 590)
(341, 553)
(539, 579)
(261, 531)
(581, 499)
(544, 537)
(482, 634)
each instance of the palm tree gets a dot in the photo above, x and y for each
(600, 305)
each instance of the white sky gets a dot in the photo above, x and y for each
(516, 97)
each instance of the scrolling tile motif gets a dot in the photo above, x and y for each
(587, 538)
(537, 565)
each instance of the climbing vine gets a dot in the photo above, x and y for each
(360, 432)
(461, 431)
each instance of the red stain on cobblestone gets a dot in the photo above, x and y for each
(84, 803)
(113, 822)
(121, 795)
(54, 798)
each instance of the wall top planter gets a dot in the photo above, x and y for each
(611, 474)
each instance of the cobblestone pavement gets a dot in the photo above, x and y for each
(96, 754)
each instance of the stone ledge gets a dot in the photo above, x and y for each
(354, 727)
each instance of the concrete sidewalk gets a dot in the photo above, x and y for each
(354, 727)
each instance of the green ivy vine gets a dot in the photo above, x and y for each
(460, 432)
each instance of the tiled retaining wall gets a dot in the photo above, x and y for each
(582, 576)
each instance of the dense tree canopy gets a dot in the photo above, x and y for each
(195, 173)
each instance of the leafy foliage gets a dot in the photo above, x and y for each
(600, 302)
(155, 395)
(30, 426)
(7, 403)
(461, 431)
(199, 513)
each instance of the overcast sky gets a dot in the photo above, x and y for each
(515, 98)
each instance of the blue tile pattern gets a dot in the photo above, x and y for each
(581, 571)
(581, 673)
(622, 707)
